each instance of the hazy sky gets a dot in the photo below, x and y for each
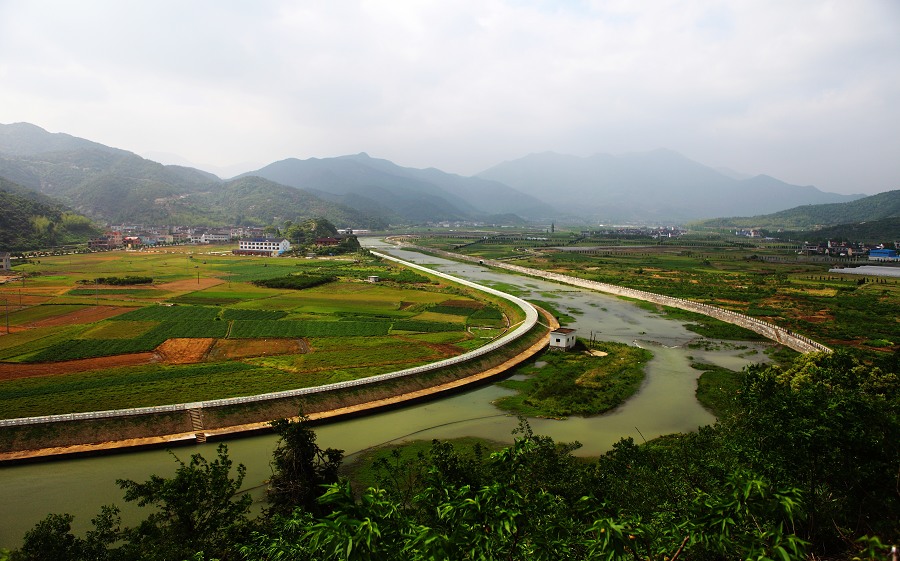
(806, 91)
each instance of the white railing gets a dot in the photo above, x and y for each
(531, 318)
(778, 334)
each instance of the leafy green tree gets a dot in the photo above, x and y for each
(824, 425)
(52, 539)
(199, 509)
(300, 469)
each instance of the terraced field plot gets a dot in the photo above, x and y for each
(203, 333)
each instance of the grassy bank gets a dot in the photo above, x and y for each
(576, 382)
(717, 388)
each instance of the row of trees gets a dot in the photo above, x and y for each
(803, 464)
(303, 236)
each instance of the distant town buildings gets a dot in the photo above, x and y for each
(883, 255)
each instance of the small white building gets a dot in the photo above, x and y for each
(260, 246)
(562, 339)
(215, 237)
(4, 261)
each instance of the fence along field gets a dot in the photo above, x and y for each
(398, 318)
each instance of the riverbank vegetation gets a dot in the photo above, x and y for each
(760, 278)
(580, 381)
(798, 468)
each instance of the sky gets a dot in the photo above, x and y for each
(807, 91)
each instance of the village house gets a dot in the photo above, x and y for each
(4, 261)
(562, 339)
(215, 237)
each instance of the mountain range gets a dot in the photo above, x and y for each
(870, 219)
(114, 185)
(658, 186)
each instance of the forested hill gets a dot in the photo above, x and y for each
(258, 201)
(813, 217)
(29, 220)
(113, 185)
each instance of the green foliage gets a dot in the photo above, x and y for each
(255, 329)
(242, 314)
(821, 425)
(424, 326)
(575, 383)
(29, 220)
(171, 313)
(868, 209)
(299, 468)
(718, 388)
(198, 509)
(89, 348)
(802, 465)
(121, 281)
(295, 282)
(51, 539)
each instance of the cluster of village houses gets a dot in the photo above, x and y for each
(848, 249)
(251, 240)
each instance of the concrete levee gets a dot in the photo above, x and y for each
(778, 334)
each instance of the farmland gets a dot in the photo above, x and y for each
(205, 328)
(759, 278)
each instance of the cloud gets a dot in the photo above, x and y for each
(464, 85)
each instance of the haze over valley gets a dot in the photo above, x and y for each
(113, 185)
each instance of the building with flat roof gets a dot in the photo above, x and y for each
(562, 339)
(263, 246)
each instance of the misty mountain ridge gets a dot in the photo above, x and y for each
(360, 191)
(874, 208)
(411, 195)
(649, 186)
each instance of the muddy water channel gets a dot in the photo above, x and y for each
(664, 404)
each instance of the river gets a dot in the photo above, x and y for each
(664, 404)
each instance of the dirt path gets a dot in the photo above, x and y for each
(190, 285)
(13, 371)
(86, 315)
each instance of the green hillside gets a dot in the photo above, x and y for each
(30, 220)
(874, 231)
(117, 186)
(815, 217)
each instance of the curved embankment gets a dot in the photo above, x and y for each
(93, 432)
(780, 335)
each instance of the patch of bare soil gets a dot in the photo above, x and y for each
(184, 351)
(11, 371)
(190, 285)
(86, 315)
(225, 349)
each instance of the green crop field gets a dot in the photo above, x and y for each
(351, 327)
(759, 278)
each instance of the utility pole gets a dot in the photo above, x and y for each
(6, 301)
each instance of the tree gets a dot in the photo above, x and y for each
(51, 539)
(300, 469)
(824, 425)
(199, 509)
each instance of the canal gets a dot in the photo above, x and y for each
(664, 404)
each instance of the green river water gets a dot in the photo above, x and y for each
(664, 404)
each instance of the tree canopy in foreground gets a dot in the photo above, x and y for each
(802, 465)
